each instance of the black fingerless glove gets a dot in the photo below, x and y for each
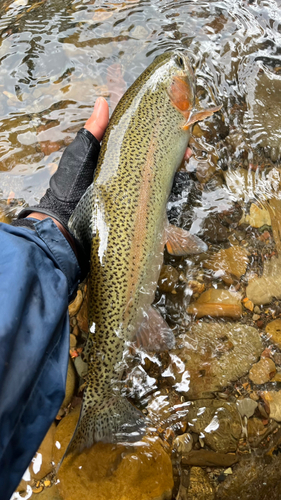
(70, 181)
(68, 184)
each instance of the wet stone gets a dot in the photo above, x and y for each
(253, 480)
(183, 443)
(70, 384)
(273, 330)
(273, 399)
(217, 422)
(258, 217)
(246, 407)
(82, 317)
(81, 367)
(200, 487)
(255, 428)
(262, 290)
(227, 262)
(76, 304)
(213, 230)
(217, 303)
(207, 458)
(210, 355)
(168, 278)
(110, 470)
(262, 371)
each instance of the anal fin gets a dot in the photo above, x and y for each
(154, 334)
(180, 242)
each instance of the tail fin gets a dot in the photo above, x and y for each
(112, 420)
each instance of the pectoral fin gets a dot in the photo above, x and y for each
(154, 333)
(197, 116)
(180, 242)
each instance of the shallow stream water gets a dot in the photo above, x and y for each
(56, 58)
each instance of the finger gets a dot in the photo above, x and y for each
(98, 121)
(188, 153)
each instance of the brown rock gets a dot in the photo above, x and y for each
(262, 290)
(273, 399)
(262, 371)
(82, 317)
(72, 341)
(217, 422)
(255, 428)
(206, 458)
(253, 480)
(217, 303)
(200, 487)
(210, 355)
(168, 278)
(70, 384)
(76, 304)
(196, 286)
(227, 262)
(273, 329)
(123, 472)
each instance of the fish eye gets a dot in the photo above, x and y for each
(180, 61)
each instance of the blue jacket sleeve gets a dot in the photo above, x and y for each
(38, 275)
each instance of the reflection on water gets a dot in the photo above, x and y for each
(214, 401)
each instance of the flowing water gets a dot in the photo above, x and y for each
(214, 400)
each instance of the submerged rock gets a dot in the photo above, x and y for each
(253, 480)
(210, 356)
(273, 399)
(263, 117)
(141, 470)
(217, 422)
(207, 458)
(227, 262)
(217, 303)
(262, 290)
(262, 371)
(258, 217)
(70, 384)
(200, 487)
(273, 330)
(76, 304)
(168, 278)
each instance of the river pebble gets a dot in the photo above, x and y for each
(258, 217)
(183, 443)
(76, 304)
(217, 303)
(273, 399)
(217, 422)
(227, 262)
(210, 355)
(262, 371)
(200, 487)
(273, 330)
(168, 278)
(262, 290)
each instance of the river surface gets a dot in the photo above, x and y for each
(56, 58)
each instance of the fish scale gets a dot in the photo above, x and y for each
(123, 218)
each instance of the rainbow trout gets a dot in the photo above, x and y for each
(122, 217)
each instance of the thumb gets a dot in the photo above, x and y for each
(98, 121)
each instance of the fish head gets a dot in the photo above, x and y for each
(174, 71)
(180, 83)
